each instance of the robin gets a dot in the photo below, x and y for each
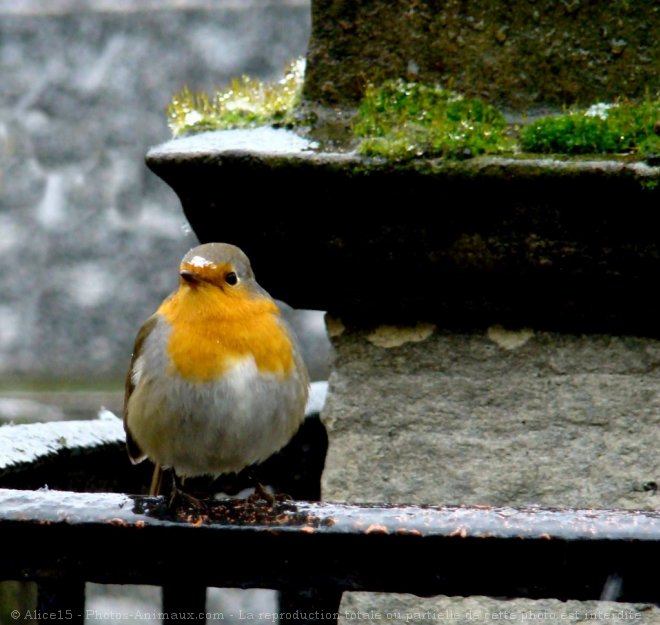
(216, 381)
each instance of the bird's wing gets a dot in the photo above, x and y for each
(135, 453)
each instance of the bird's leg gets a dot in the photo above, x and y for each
(260, 493)
(179, 494)
(156, 481)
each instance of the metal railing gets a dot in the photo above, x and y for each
(310, 551)
(313, 552)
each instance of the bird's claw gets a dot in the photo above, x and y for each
(261, 494)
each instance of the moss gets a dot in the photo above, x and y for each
(246, 102)
(601, 129)
(404, 120)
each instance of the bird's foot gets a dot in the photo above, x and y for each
(180, 496)
(261, 494)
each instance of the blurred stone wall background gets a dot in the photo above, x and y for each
(89, 238)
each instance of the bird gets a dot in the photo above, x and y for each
(216, 381)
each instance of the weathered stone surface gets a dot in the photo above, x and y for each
(520, 55)
(503, 417)
(559, 420)
(393, 609)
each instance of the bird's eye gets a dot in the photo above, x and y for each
(231, 278)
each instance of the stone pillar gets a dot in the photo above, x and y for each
(518, 55)
(502, 417)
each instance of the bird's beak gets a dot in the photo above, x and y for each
(190, 277)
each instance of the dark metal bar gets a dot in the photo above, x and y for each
(457, 551)
(184, 602)
(61, 601)
(311, 606)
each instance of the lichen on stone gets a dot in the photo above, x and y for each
(509, 340)
(389, 336)
(245, 102)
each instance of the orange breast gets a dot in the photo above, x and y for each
(211, 332)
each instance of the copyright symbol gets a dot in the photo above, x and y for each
(15, 614)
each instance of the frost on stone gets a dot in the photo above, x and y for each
(21, 444)
(599, 110)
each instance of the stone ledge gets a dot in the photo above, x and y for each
(563, 244)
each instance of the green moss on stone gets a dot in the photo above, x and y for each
(601, 129)
(405, 120)
(246, 102)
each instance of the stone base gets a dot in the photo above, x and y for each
(495, 418)
(391, 609)
(417, 415)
